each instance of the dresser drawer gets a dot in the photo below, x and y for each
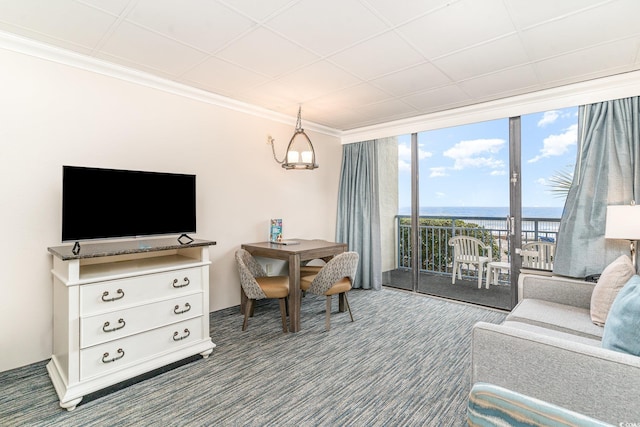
(119, 354)
(105, 327)
(116, 294)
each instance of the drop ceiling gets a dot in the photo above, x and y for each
(349, 63)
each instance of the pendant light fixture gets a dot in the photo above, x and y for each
(300, 153)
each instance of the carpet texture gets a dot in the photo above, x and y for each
(404, 361)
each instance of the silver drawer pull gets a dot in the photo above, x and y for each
(185, 280)
(177, 338)
(106, 355)
(187, 307)
(120, 293)
(121, 322)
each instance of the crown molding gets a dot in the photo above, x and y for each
(597, 90)
(26, 46)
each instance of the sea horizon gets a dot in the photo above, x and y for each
(486, 211)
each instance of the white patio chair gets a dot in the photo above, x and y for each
(469, 250)
(538, 255)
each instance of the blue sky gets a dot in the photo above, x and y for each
(469, 165)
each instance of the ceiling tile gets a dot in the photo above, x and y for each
(458, 26)
(318, 78)
(202, 24)
(272, 95)
(431, 100)
(351, 97)
(141, 46)
(222, 77)
(414, 79)
(63, 20)
(112, 6)
(365, 60)
(618, 56)
(327, 26)
(266, 52)
(482, 59)
(528, 13)
(398, 12)
(391, 109)
(616, 20)
(256, 9)
(500, 83)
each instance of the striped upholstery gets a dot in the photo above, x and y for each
(490, 405)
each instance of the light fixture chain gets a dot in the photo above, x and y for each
(273, 150)
(299, 121)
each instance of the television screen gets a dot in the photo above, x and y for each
(107, 203)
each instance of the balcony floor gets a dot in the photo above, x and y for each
(463, 290)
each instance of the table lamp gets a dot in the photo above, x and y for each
(623, 222)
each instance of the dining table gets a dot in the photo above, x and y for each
(294, 251)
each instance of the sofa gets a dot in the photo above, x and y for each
(549, 348)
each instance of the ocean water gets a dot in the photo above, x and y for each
(494, 212)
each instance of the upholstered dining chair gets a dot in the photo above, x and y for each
(257, 285)
(469, 250)
(334, 278)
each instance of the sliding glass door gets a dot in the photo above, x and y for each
(473, 180)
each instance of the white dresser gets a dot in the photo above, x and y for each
(121, 309)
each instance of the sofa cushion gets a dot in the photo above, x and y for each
(621, 331)
(559, 317)
(565, 336)
(609, 284)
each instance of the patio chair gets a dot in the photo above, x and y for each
(469, 250)
(538, 255)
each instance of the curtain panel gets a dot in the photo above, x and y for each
(606, 173)
(358, 217)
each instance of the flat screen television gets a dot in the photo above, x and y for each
(110, 203)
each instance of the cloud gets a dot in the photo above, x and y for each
(438, 171)
(548, 118)
(541, 181)
(498, 172)
(440, 195)
(404, 156)
(476, 153)
(557, 145)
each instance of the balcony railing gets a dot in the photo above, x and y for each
(435, 232)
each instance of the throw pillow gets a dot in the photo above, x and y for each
(609, 284)
(621, 332)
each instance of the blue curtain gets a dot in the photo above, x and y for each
(606, 174)
(358, 221)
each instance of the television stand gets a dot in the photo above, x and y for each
(122, 309)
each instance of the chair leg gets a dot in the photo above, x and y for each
(346, 301)
(283, 314)
(247, 309)
(480, 274)
(327, 318)
(453, 276)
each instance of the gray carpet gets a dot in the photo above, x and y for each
(404, 361)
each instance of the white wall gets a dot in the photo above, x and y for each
(53, 114)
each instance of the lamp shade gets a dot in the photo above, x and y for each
(623, 222)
